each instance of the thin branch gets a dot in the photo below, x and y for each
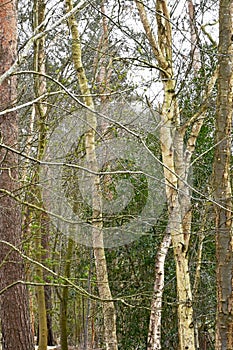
(48, 94)
(80, 290)
(203, 28)
(151, 38)
(203, 196)
(30, 103)
(204, 105)
(144, 62)
(23, 55)
(67, 281)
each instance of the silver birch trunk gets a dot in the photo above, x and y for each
(154, 335)
(109, 314)
(176, 157)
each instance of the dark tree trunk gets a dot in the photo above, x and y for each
(14, 310)
(222, 181)
(48, 302)
(47, 289)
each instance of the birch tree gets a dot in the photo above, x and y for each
(176, 155)
(178, 136)
(109, 315)
(154, 337)
(40, 120)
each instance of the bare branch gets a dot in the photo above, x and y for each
(151, 38)
(24, 54)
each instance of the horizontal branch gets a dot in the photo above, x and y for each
(144, 62)
(119, 172)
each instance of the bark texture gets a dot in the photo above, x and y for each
(15, 318)
(176, 155)
(40, 119)
(109, 314)
(154, 335)
(221, 180)
(64, 297)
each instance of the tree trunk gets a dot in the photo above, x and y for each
(39, 89)
(154, 335)
(15, 318)
(47, 289)
(221, 180)
(64, 298)
(109, 314)
(176, 160)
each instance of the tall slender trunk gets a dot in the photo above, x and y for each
(197, 277)
(176, 156)
(47, 289)
(109, 314)
(221, 180)
(172, 146)
(40, 118)
(154, 334)
(64, 298)
(14, 308)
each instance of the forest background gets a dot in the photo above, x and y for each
(115, 183)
